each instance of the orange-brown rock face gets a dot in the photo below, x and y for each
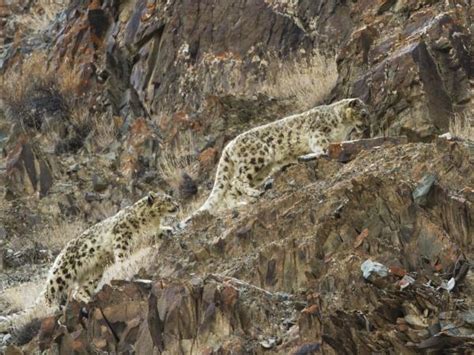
(358, 257)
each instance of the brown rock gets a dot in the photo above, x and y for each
(208, 158)
(284, 270)
(13, 350)
(346, 151)
(46, 332)
(27, 169)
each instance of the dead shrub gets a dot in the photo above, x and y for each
(101, 128)
(44, 100)
(178, 162)
(17, 299)
(41, 14)
(32, 92)
(308, 81)
(58, 233)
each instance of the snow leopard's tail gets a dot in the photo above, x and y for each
(39, 309)
(222, 181)
(222, 185)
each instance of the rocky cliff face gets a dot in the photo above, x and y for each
(157, 78)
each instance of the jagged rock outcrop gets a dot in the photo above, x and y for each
(290, 274)
(198, 66)
(411, 61)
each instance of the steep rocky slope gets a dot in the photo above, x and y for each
(286, 275)
(180, 78)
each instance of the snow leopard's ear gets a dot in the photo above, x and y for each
(150, 198)
(354, 103)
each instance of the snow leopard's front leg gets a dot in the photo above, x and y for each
(88, 285)
(318, 146)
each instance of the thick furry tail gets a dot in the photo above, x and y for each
(39, 309)
(222, 181)
(221, 185)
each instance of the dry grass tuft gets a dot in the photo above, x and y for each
(58, 234)
(32, 91)
(17, 299)
(53, 237)
(15, 83)
(307, 81)
(180, 157)
(46, 100)
(462, 126)
(41, 14)
(101, 127)
(191, 206)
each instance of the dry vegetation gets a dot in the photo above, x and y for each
(48, 100)
(462, 126)
(41, 14)
(59, 233)
(307, 81)
(31, 90)
(52, 238)
(17, 299)
(179, 157)
(102, 127)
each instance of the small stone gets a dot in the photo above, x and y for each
(370, 267)
(448, 285)
(3, 232)
(468, 316)
(446, 136)
(268, 343)
(423, 188)
(415, 321)
(91, 196)
(74, 168)
(99, 183)
(406, 281)
(268, 184)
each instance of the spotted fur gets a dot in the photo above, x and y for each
(79, 266)
(254, 155)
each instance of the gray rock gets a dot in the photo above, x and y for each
(99, 183)
(74, 168)
(370, 267)
(3, 232)
(91, 196)
(422, 190)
